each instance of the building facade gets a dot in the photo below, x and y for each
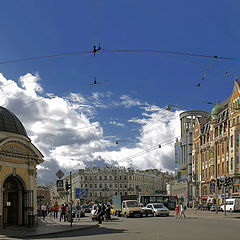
(103, 184)
(216, 151)
(182, 188)
(18, 161)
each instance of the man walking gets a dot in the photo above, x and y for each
(78, 212)
(63, 213)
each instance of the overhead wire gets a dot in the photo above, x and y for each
(149, 149)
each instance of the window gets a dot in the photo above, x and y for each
(100, 185)
(232, 141)
(116, 194)
(115, 177)
(222, 167)
(237, 139)
(218, 169)
(120, 177)
(81, 185)
(110, 185)
(105, 177)
(110, 177)
(116, 185)
(86, 185)
(86, 178)
(231, 163)
(90, 185)
(222, 148)
(100, 177)
(125, 177)
(90, 194)
(105, 185)
(227, 166)
(237, 163)
(95, 185)
(90, 177)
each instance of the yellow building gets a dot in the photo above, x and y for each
(18, 160)
(216, 150)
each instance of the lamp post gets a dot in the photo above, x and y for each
(71, 218)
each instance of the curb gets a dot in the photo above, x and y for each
(51, 233)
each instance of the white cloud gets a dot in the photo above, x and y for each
(117, 123)
(128, 102)
(62, 130)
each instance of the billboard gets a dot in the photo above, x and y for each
(81, 193)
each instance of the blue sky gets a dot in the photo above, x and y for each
(136, 87)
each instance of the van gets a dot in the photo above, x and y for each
(131, 208)
(232, 205)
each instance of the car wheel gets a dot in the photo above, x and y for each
(154, 214)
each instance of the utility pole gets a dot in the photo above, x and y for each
(225, 185)
(71, 218)
(216, 187)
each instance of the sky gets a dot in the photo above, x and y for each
(74, 123)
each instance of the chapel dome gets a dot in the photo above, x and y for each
(10, 123)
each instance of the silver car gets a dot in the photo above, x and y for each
(158, 209)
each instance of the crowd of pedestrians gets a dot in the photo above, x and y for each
(61, 212)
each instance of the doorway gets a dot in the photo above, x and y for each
(12, 201)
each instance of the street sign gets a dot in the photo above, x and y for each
(81, 193)
(60, 174)
(59, 185)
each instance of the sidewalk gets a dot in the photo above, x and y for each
(197, 213)
(45, 227)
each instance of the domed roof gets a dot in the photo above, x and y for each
(216, 110)
(10, 123)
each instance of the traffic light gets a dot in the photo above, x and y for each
(67, 186)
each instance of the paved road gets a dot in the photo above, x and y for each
(194, 227)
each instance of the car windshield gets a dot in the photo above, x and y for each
(158, 206)
(133, 204)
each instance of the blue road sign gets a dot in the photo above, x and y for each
(81, 193)
(60, 185)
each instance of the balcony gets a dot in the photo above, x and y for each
(205, 145)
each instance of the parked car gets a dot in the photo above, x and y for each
(158, 209)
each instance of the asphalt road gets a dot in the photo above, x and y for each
(192, 228)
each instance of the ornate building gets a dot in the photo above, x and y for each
(18, 160)
(216, 150)
(103, 184)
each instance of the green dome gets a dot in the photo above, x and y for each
(215, 111)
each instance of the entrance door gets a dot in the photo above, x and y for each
(12, 207)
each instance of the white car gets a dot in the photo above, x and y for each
(158, 209)
(94, 212)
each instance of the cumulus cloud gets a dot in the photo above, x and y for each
(117, 123)
(64, 130)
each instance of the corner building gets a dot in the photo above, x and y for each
(216, 150)
(18, 161)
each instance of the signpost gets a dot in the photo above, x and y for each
(60, 174)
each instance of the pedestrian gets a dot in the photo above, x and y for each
(63, 213)
(55, 210)
(78, 212)
(44, 210)
(50, 212)
(177, 210)
(108, 213)
(182, 210)
(99, 213)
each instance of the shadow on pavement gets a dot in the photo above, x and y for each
(81, 233)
